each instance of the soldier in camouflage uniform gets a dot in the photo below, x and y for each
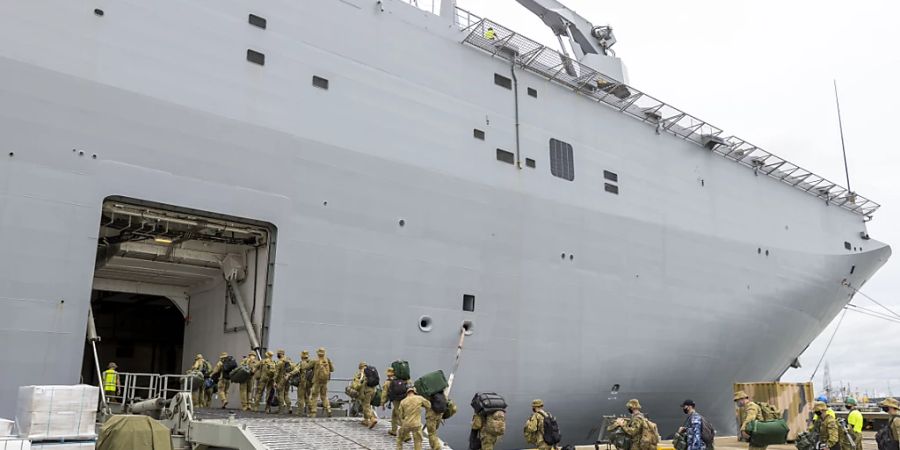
(534, 427)
(385, 399)
(266, 373)
(366, 394)
(634, 426)
(749, 412)
(432, 423)
(490, 429)
(224, 383)
(247, 386)
(411, 418)
(201, 365)
(283, 367)
(827, 427)
(892, 407)
(322, 369)
(303, 369)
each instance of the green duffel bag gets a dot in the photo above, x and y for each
(772, 432)
(806, 441)
(680, 442)
(401, 369)
(241, 374)
(197, 378)
(431, 383)
(376, 399)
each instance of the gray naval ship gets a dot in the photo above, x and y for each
(378, 179)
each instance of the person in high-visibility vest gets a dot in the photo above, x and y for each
(490, 34)
(111, 380)
(855, 423)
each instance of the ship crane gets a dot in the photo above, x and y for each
(563, 21)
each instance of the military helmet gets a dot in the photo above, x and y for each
(199, 356)
(390, 371)
(820, 407)
(890, 403)
(537, 403)
(280, 351)
(850, 401)
(320, 351)
(223, 355)
(739, 395)
(633, 403)
(268, 353)
(112, 365)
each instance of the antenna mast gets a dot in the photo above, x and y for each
(837, 101)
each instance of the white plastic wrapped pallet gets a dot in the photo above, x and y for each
(57, 412)
(6, 428)
(15, 444)
(63, 446)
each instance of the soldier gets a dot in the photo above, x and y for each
(385, 399)
(304, 370)
(111, 381)
(366, 394)
(432, 423)
(749, 412)
(224, 383)
(204, 367)
(634, 426)
(246, 387)
(266, 381)
(411, 418)
(855, 425)
(490, 428)
(827, 427)
(321, 375)
(892, 407)
(534, 427)
(283, 367)
(693, 432)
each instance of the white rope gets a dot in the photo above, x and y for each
(844, 314)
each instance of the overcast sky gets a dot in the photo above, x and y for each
(763, 70)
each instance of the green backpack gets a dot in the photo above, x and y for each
(768, 412)
(376, 399)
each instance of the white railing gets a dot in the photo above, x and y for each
(556, 67)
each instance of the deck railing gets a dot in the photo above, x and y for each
(560, 69)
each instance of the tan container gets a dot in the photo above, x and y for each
(795, 400)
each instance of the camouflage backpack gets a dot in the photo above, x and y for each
(322, 371)
(495, 424)
(768, 412)
(649, 434)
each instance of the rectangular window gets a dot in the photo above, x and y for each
(478, 134)
(532, 92)
(611, 176)
(530, 163)
(256, 57)
(320, 82)
(257, 21)
(468, 302)
(847, 245)
(505, 156)
(611, 188)
(562, 163)
(502, 81)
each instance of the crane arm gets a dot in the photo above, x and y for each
(566, 22)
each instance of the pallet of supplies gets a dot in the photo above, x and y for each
(6, 428)
(15, 444)
(46, 413)
(63, 445)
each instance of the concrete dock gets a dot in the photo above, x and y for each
(731, 443)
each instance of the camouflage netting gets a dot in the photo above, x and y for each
(123, 432)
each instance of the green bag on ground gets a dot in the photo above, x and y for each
(431, 383)
(772, 432)
(806, 441)
(401, 369)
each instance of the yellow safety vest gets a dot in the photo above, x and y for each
(490, 35)
(855, 420)
(109, 380)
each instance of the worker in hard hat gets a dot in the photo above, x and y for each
(111, 382)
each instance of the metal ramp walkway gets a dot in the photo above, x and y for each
(282, 432)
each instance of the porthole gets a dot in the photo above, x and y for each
(425, 323)
(468, 327)
(614, 389)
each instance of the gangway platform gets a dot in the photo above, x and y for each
(258, 431)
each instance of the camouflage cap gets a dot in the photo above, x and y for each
(820, 407)
(320, 351)
(390, 371)
(890, 403)
(269, 353)
(850, 401)
(411, 388)
(304, 354)
(199, 356)
(112, 365)
(537, 403)
(223, 355)
(362, 364)
(280, 351)
(633, 403)
(739, 395)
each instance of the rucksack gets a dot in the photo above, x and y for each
(475, 440)
(323, 370)
(294, 380)
(206, 368)
(228, 364)
(439, 403)
(885, 439)
(401, 369)
(806, 440)
(241, 374)
(451, 410)
(485, 403)
(495, 423)
(620, 439)
(376, 399)
(649, 434)
(397, 390)
(551, 429)
(707, 432)
(768, 412)
(371, 374)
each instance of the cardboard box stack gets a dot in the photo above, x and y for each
(53, 413)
